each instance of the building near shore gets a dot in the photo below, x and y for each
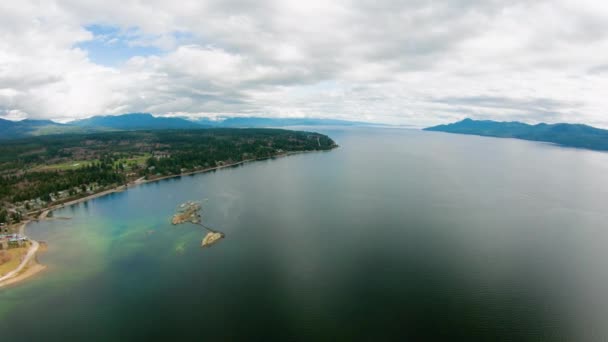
(12, 241)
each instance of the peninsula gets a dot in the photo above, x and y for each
(570, 135)
(40, 174)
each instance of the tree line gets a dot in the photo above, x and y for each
(171, 152)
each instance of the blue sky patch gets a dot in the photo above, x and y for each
(112, 46)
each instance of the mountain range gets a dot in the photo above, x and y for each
(24, 128)
(136, 121)
(571, 135)
(145, 121)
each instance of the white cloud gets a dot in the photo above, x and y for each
(413, 62)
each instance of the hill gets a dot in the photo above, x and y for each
(25, 128)
(136, 121)
(572, 135)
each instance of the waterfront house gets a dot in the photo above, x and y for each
(12, 240)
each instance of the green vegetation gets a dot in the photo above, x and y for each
(3, 216)
(69, 165)
(38, 171)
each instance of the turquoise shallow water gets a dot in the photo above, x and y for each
(397, 233)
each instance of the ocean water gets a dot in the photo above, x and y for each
(396, 234)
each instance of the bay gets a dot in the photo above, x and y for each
(396, 234)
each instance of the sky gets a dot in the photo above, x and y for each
(410, 62)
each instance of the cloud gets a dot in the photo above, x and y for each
(412, 62)
(527, 109)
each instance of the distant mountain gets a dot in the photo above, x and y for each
(277, 122)
(572, 135)
(145, 121)
(136, 121)
(25, 128)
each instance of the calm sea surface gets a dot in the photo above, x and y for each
(396, 234)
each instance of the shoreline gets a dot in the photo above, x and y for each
(120, 188)
(31, 267)
(29, 272)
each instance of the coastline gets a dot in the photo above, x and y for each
(43, 214)
(31, 267)
(31, 270)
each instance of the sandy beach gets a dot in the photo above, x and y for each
(31, 270)
(26, 269)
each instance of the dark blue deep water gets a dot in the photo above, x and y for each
(397, 234)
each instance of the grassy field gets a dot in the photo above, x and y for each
(70, 165)
(76, 164)
(137, 160)
(10, 259)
